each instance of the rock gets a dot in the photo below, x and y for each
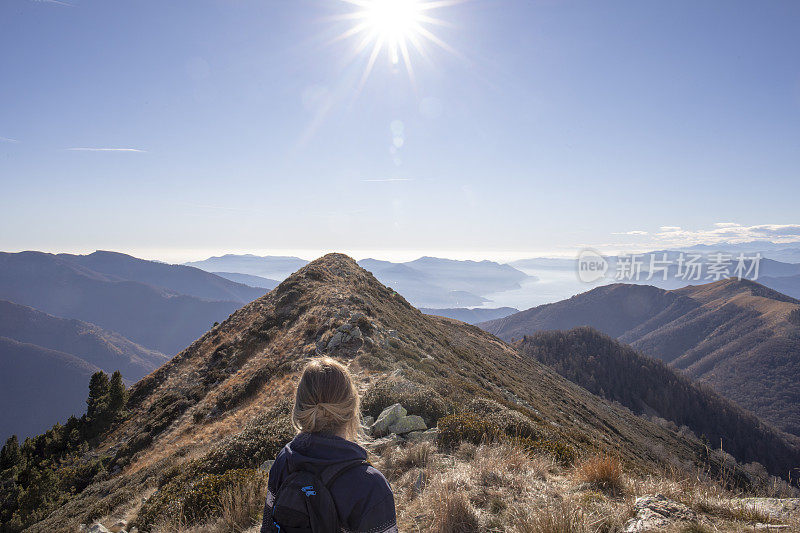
(266, 465)
(421, 436)
(134, 529)
(345, 334)
(98, 528)
(776, 508)
(388, 416)
(657, 513)
(408, 424)
(367, 421)
(379, 445)
(119, 525)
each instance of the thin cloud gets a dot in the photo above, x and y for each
(57, 2)
(632, 232)
(719, 233)
(105, 150)
(386, 180)
(8, 140)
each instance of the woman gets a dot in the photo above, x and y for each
(321, 481)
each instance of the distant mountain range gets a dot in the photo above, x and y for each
(271, 267)
(100, 348)
(39, 387)
(146, 307)
(250, 279)
(740, 337)
(471, 316)
(426, 282)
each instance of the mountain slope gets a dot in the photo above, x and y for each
(153, 317)
(616, 372)
(39, 387)
(737, 336)
(106, 350)
(215, 402)
(176, 278)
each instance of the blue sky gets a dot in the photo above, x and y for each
(553, 125)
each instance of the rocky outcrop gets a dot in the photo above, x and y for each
(658, 513)
(407, 424)
(388, 416)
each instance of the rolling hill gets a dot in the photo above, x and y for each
(39, 387)
(154, 317)
(216, 406)
(738, 336)
(179, 279)
(100, 348)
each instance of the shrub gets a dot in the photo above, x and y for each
(194, 496)
(260, 440)
(513, 423)
(466, 427)
(603, 473)
(418, 400)
(562, 452)
(205, 497)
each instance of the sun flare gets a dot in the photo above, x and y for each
(399, 27)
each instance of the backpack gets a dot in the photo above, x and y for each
(304, 503)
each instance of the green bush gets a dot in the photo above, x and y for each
(513, 423)
(562, 452)
(421, 401)
(203, 500)
(476, 429)
(259, 441)
(466, 427)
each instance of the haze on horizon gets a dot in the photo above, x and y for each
(519, 129)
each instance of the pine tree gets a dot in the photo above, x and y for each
(10, 454)
(98, 395)
(117, 396)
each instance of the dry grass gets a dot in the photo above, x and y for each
(602, 472)
(563, 517)
(453, 513)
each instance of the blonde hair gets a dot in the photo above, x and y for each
(327, 400)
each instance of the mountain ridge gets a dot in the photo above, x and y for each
(197, 409)
(735, 335)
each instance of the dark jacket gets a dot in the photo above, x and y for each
(362, 495)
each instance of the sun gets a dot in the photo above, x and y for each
(398, 27)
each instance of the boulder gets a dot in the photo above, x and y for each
(98, 528)
(408, 424)
(367, 421)
(421, 436)
(119, 525)
(388, 416)
(345, 334)
(658, 513)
